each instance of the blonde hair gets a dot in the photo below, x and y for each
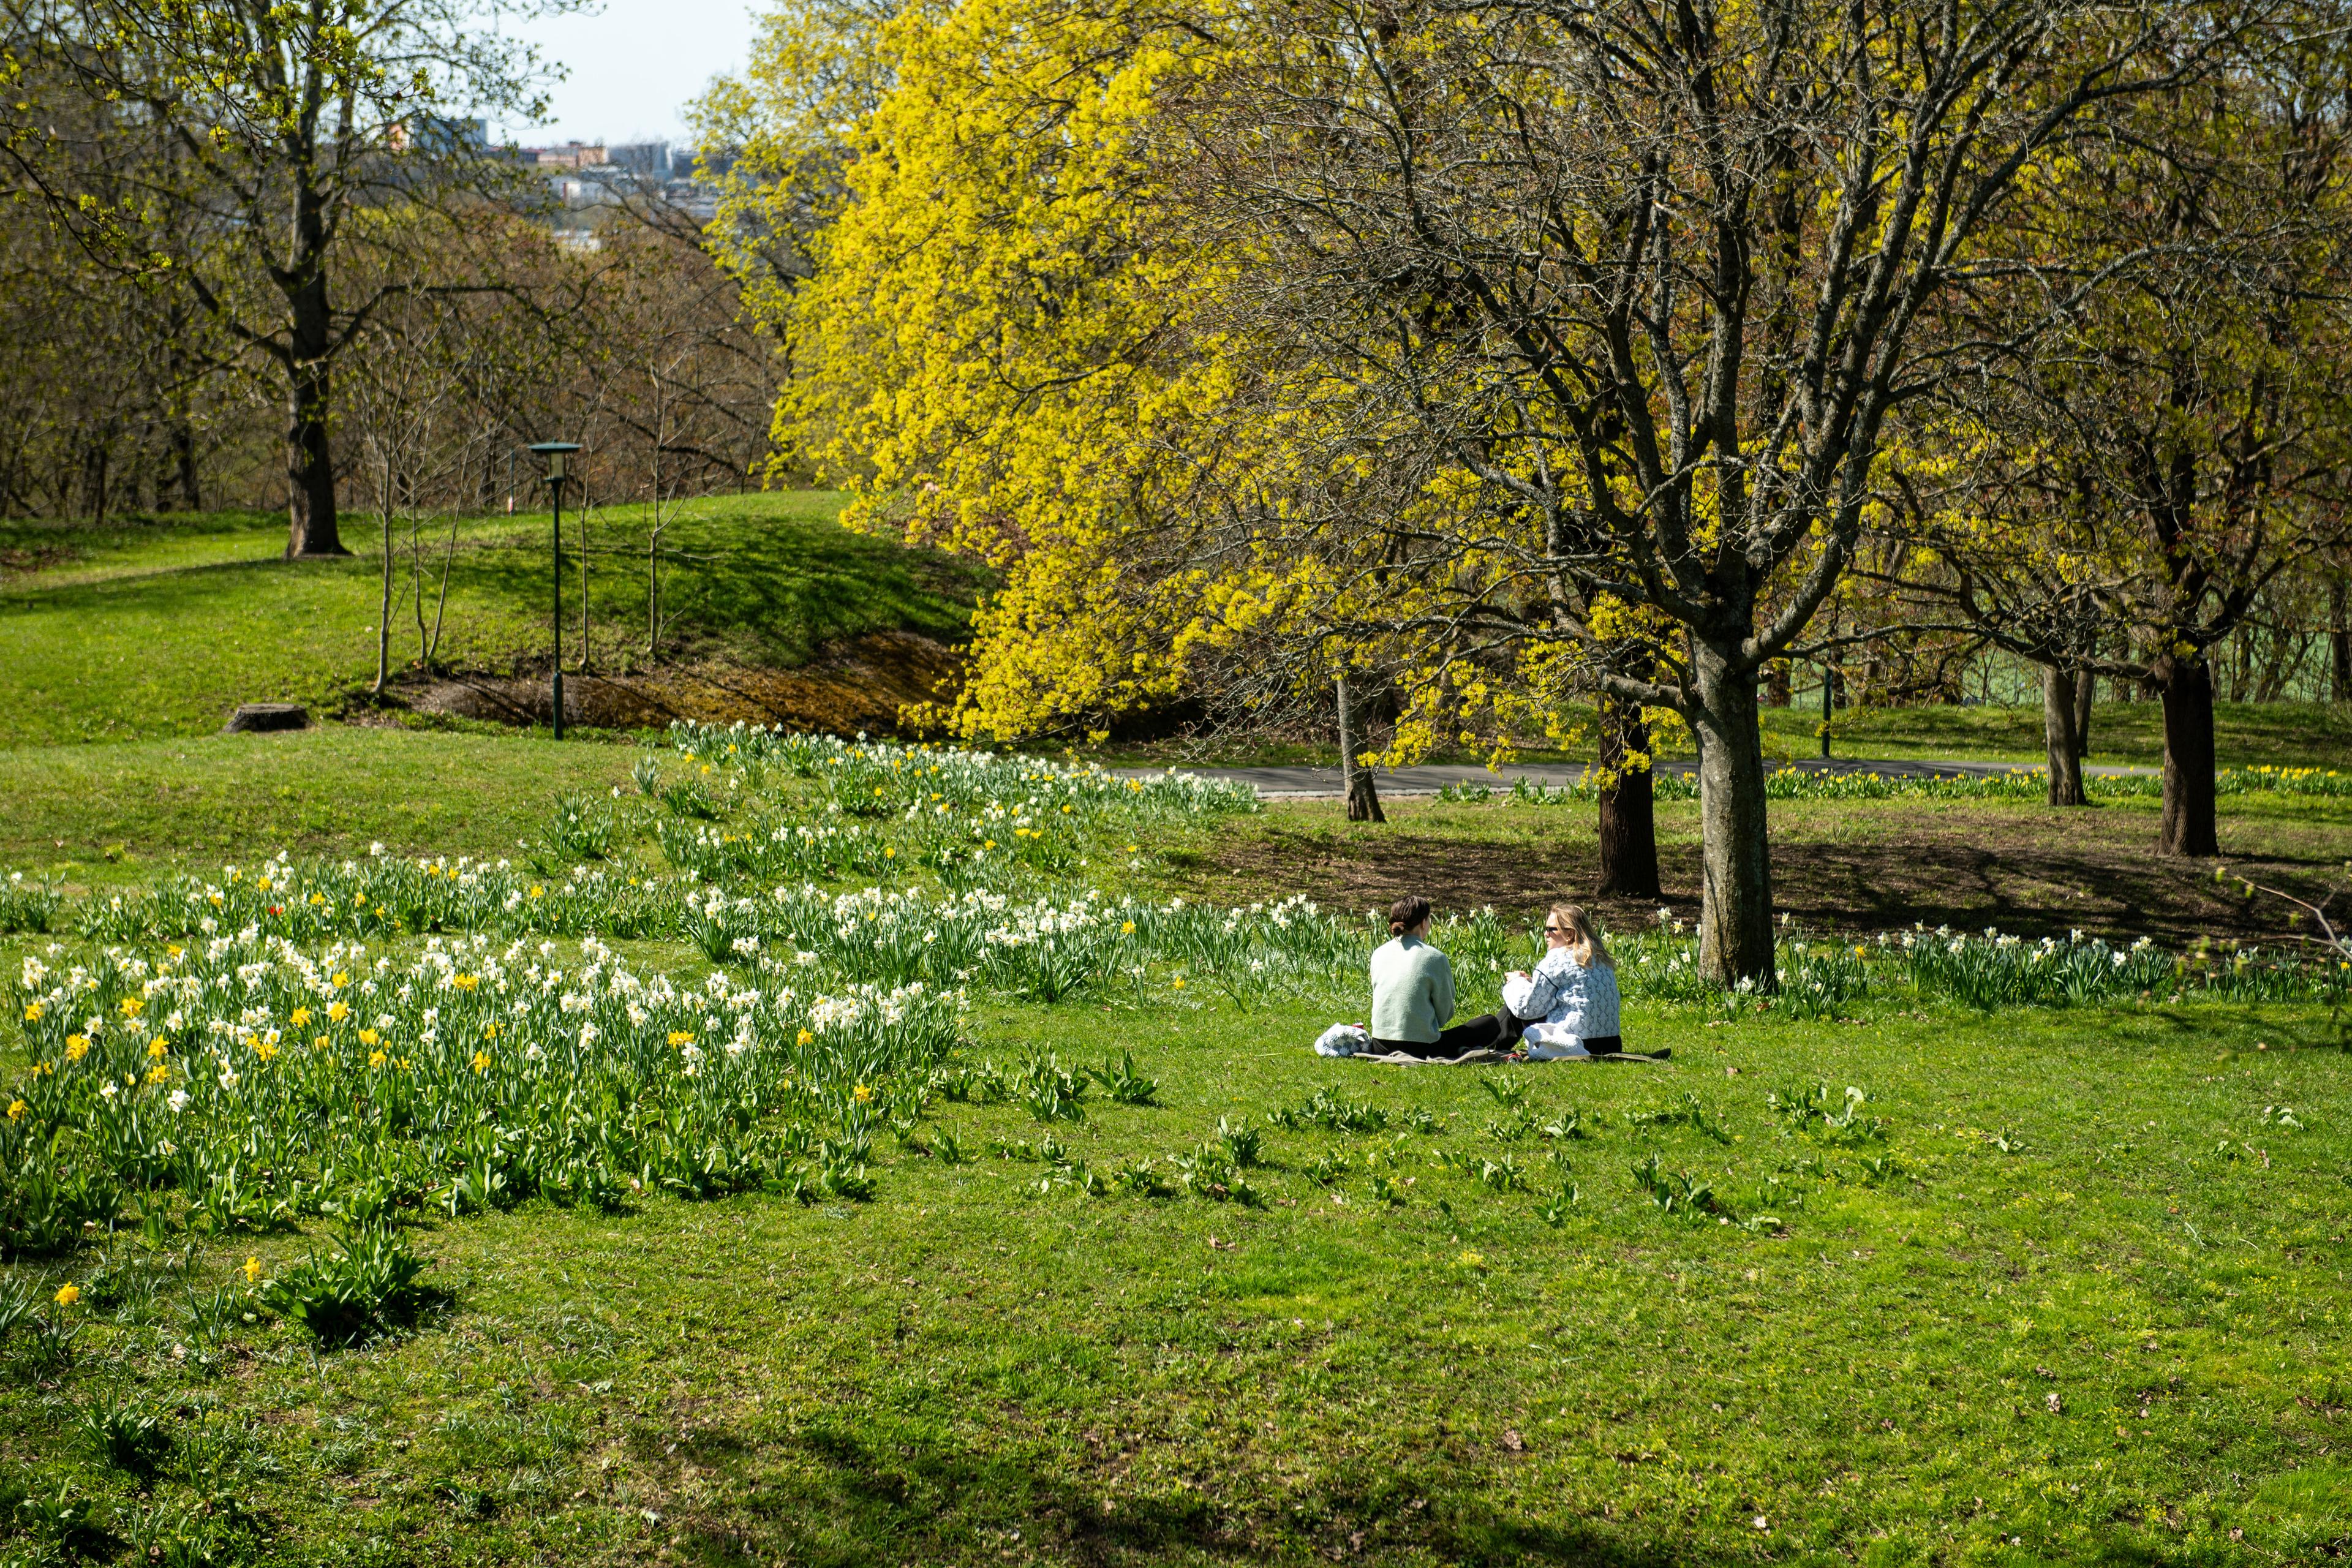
(1585, 944)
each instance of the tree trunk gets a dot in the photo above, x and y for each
(94, 467)
(309, 469)
(2086, 686)
(1629, 828)
(2060, 739)
(2190, 826)
(384, 610)
(184, 465)
(1355, 779)
(1736, 911)
(2339, 641)
(1776, 684)
(309, 460)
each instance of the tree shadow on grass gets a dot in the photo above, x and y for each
(844, 1497)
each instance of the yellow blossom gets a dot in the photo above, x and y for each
(465, 982)
(481, 1061)
(806, 1037)
(130, 1006)
(1127, 927)
(68, 1295)
(252, 1270)
(339, 1011)
(17, 1109)
(1178, 983)
(319, 1044)
(302, 1017)
(158, 1048)
(369, 1037)
(263, 1049)
(77, 1047)
(680, 1038)
(158, 1073)
(342, 978)
(377, 1058)
(861, 1094)
(32, 1011)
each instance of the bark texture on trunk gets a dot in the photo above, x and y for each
(2086, 686)
(1629, 828)
(2190, 826)
(1776, 683)
(309, 458)
(1355, 779)
(2339, 641)
(2060, 740)
(1735, 911)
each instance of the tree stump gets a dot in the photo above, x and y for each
(256, 718)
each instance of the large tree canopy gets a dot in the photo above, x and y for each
(1485, 349)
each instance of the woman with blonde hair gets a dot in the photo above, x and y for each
(1568, 1005)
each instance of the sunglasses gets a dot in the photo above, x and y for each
(1563, 931)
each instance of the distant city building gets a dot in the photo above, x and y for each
(647, 160)
(439, 133)
(570, 155)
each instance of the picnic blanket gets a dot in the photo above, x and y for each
(1472, 1059)
(1345, 1040)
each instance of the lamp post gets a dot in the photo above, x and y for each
(555, 452)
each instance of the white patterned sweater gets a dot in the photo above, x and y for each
(1571, 1002)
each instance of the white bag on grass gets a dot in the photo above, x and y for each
(1341, 1040)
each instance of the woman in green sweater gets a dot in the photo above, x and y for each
(1412, 994)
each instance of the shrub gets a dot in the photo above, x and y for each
(367, 1285)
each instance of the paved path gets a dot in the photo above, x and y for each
(1305, 782)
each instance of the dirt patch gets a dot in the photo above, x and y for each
(1969, 873)
(856, 685)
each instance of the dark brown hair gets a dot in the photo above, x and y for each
(1406, 913)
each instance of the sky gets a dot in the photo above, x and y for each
(634, 64)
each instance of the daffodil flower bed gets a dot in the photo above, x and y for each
(249, 1082)
(1816, 977)
(883, 778)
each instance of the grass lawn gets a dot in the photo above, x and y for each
(159, 629)
(2079, 1295)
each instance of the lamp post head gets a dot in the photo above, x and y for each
(555, 452)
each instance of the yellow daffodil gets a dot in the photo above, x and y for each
(32, 1011)
(680, 1038)
(17, 1109)
(68, 1295)
(343, 978)
(302, 1017)
(806, 1037)
(252, 1270)
(132, 1006)
(77, 1047)
(861, 1094)
(369, 1037)
(377, 1058)
(338, 1012)
(157, 1049)
(481, 1061)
